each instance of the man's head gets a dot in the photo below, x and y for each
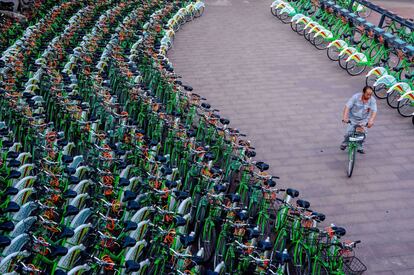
(367, 92)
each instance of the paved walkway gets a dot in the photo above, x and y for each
(288, 97)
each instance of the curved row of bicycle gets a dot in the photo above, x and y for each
(358, 46)
(110, 164)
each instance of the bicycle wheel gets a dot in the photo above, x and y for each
(370, 80)
(293, 26)
(351, 161)
(392, 99)
(353, 68)
(199, 12)
(273, 11)
(342, 61)
(301, 262)
(406, 107)
(285, 18)
(380, 91)
(333, 53)
(320, 43)
(318, 269)
(300, 28)
(207, 240)
(220, 250)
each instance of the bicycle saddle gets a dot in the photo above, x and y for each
(250, 153)
(10, 191)
(234, 197)
(264, 245)
(120, 152)
(180, 221)
(71, 211)
(262, 166)
(4, 132)
(361, 20)
(224, 121)
(270, 183)
(7, 143)
(12, 155)
(191, 133)
(319, 216)
(67, 159)
(368, 26)
(205, 105)
(282, 257)
(132, 205)
(14, 174)
(165, 170)
(211, 272)
(171, 184)
(128, 242)
(131, 266)
(74, 180)
(7, 226)
(129, 195)
(58, 251)
(303, 204)
(187, 240)
(220, 188)
(160, 158)
(65, 233)
(69, 170)
(187, 88)
(4, 241)
(69, 194)
(339, 231)
(130, 225)
(181, 195)
(242, 215)
(123, 182)
(292, 192)
(252, 233)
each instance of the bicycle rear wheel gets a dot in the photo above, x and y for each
(320, 43)
(351, 161)
(301, 263)
(354, 69)
(333, 53)
(406, 107)
(392, 99)
(380, 91)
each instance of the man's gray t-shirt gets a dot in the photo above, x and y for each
(360, 111)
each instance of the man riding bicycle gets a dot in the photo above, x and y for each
(361, 109)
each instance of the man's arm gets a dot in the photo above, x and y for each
(345, 114)
(371, 119)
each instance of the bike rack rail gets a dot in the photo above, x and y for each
(384, 14)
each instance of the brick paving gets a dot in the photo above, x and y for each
(288, 97)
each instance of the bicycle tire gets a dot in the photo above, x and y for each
(353, 68)
(319, 269)
(351, 161)
(405, 107)
(293, 26)
(301, 262)
(342, 61)
(220, 251)
(380, 91)
(320, 43)
(333, 53)
(273, 11)
(199, 12)
(285, 18)
(207, 240)
(370, 80)
(300, 28)
(392, 99)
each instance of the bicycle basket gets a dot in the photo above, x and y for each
(353, 266)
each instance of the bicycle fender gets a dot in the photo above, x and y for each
(378, 71)
(288, 9)
(387, 80)
(348, 51)
(409, 95)
(324, 33)
(297, 17)
(401, 87)
(358, 57)
(340, 44)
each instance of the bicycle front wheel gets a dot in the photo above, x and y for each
(351, 161)
(301, 263)
(406, 107)
(392, 99)
(380, 91)
(353, 68)
(333, 53)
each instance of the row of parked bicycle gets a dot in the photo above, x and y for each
(111, 165)
(385, 54)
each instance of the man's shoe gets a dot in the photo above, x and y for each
(342, 147)
(361, 151)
